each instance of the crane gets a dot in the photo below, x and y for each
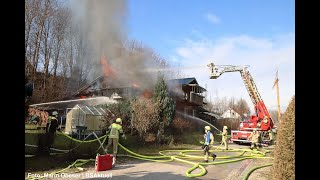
(276, 83)
(256, 121)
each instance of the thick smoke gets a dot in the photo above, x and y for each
(103, 26)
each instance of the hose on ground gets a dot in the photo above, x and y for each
(179, 155)
(253, 169)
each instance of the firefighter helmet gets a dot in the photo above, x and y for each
(118, 120)
(207, 128)
(54, 113)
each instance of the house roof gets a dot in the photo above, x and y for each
(88, 85)
(184, 81)
(230, 110)
(100, 78)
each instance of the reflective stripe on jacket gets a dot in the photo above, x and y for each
(115, 130)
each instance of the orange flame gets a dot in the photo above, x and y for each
(147, 94)
(106, 68)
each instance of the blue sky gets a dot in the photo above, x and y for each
(196, 32)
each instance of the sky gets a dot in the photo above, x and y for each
(260, 34)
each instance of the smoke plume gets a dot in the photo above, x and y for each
(103, 26)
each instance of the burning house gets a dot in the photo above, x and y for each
(188, 94)
(112, 84)
(106, 86)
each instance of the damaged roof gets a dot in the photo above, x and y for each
(88, 85)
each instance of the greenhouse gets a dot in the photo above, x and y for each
(82, 119)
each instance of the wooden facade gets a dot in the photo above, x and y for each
(188, 95)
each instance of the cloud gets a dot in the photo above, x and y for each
(264, 55)
(212, 18)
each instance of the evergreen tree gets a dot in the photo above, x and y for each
(166, 104)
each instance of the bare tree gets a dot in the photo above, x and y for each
(232, 103)
(274, 116)
(220, 105)
(31, 11)
(39, 26)
(242, 107)
(60, 23)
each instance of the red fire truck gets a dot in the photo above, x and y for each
(257, 121)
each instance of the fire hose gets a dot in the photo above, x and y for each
(180, 155)
(253, 169)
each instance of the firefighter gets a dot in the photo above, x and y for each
(54, 115)
(52, 128)
(254, 137)
(270, 136)
(52, 123)
(208, 141)
(225, 137)
(114, 130)
(46, 140)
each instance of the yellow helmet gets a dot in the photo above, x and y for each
(225, 127)
(118, 120)
(207, 128)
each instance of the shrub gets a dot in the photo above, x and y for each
(284, 162)
(121, 109)
(181, 125)
(146, 116)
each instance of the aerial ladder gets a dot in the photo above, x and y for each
(256, 121)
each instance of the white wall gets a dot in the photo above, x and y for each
(230, 114)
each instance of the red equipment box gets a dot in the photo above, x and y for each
(103, 162)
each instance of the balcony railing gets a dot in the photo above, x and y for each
(196, 98)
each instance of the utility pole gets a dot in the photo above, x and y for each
(276, 83)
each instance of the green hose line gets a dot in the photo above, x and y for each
(142, 156)
(227, 161)
(253, 169)
(178, 155)
(199, 157)
(181, 156)
(80, 142)
(77, 140)
(195, 166)
(154, 160)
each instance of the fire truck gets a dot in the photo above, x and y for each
(254, 121)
